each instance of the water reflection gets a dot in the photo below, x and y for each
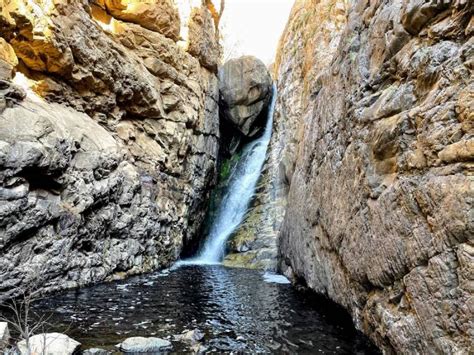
(236, 309)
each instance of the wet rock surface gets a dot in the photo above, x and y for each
(379, 167)
(108, 142)
(245, 87)
(96, 351)
(191, 337)
(142, 345)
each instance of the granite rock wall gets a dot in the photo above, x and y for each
(109, 135)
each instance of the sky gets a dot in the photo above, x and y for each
(248, 26)
(254, 27)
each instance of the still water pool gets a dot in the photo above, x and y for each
(238, 310)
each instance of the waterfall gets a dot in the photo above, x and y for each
(242, 183)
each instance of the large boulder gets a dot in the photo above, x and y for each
(49, 344)
(245, 93)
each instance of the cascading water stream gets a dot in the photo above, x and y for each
(234, 205)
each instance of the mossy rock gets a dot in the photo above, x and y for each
(242, 260)
(249, 260)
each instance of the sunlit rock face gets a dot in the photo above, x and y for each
(379, 166)
(201, 40)
(8, 60)
(108, 141)
(245, 92)
(156, 15)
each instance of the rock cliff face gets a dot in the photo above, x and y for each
(108, 138)
(378, 122)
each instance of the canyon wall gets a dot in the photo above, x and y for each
(376, 120)
(109, 133)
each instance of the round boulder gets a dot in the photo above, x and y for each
(245, 87)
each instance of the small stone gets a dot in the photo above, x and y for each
(96, 351)
(4, 335)
(144, 345)
(191, 337)
(199, 349)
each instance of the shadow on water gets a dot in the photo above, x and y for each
(236, 309)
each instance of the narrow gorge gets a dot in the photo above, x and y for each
(164, 191)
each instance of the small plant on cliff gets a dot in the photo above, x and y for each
(22, 320)
(227, 166)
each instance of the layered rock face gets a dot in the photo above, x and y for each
(108, 139)
(380, 167)
(246, 90)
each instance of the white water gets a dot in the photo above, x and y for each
(242, 183)
(270, 277)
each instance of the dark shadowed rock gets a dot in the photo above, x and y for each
(245, 91)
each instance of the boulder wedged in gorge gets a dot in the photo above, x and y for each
(109, 137)
(379, 209)
(245, 93)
